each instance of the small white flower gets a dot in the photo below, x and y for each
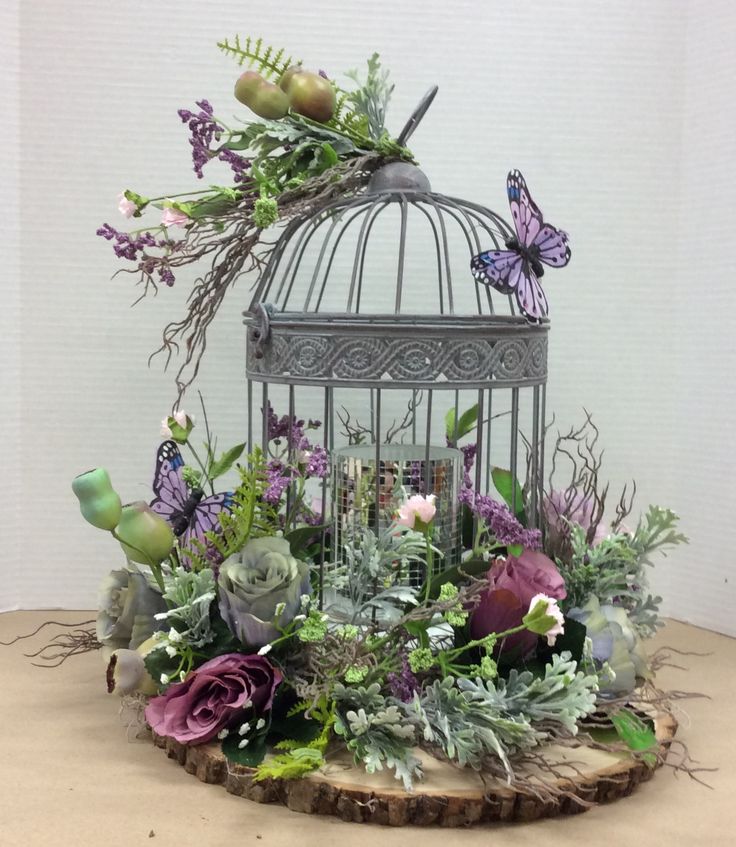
(182, 675)
(300, 617)
(244, 728)
(180, 418)
(223, 733)
(265, 649)
(260, 723)
(279, 610)
(165, 679)
(174, 636)
(244, 743)
(161, 616)
(165, 429)
(305, 600)
(170, 651)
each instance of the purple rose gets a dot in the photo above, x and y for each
(513, 583)
(212, 697)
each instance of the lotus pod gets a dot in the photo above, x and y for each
(98, 501)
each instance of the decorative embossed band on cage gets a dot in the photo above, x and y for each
(368, 318)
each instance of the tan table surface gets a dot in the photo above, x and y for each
(69, 776)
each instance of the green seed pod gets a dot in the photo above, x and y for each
(99, 502)
(312, 96)
(144, 536)
(247, 85)
(269, 101)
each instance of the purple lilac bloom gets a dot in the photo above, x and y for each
(504, 527)
(126, 246)
(204, 130)
(238, 164)
(403, 684)
(318, 464)
(293, 431)
(279, 479)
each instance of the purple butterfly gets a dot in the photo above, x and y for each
(517, 269)
(189, 512)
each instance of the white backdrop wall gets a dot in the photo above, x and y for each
(620, 116)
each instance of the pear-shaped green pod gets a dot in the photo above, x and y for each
(145, 537)
(98, 501)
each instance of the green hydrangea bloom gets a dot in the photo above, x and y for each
(421, 659)
(457, 616)
(265, 212)
(355, 674)
(487, 669)
(314, 627)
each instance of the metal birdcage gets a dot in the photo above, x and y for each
(368, 317)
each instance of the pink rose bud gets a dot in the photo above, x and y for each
(545, 618)
(419, 507)
(127, 207)
(174, 217)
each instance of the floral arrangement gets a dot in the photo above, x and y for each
(312, 141)
(245, 637)
(237, 619)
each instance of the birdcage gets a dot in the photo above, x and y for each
(368, 318)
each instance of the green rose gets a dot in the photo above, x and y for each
(260, 587)
(614, 641)
(127, 605)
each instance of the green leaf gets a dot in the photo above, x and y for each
(226, 461)
(210, 207)
(241, 142)
(636, 733)
(295, 728)
(465, 425)
(158, 662)
(515, 550)
(571, 641)
(250, 756)
(505, 485)
(300, 537)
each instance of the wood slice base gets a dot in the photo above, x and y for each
(447, 796)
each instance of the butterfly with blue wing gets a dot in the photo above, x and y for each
(517, 270)
(188, 511)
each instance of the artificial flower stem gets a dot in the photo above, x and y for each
(201, 465)
(154, 566)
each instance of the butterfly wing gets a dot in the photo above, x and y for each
(530, 296)
(527, 216)
(168, 483)
(206, 519)
(552, 246)
(496, 268)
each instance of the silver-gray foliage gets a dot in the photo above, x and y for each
(376, 730)
(471, 720)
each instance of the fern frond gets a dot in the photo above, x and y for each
(298, 708)
(265, 59)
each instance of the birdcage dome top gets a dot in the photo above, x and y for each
(376, 288)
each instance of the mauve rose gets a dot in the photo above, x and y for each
(513, 584)
(212, 696)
